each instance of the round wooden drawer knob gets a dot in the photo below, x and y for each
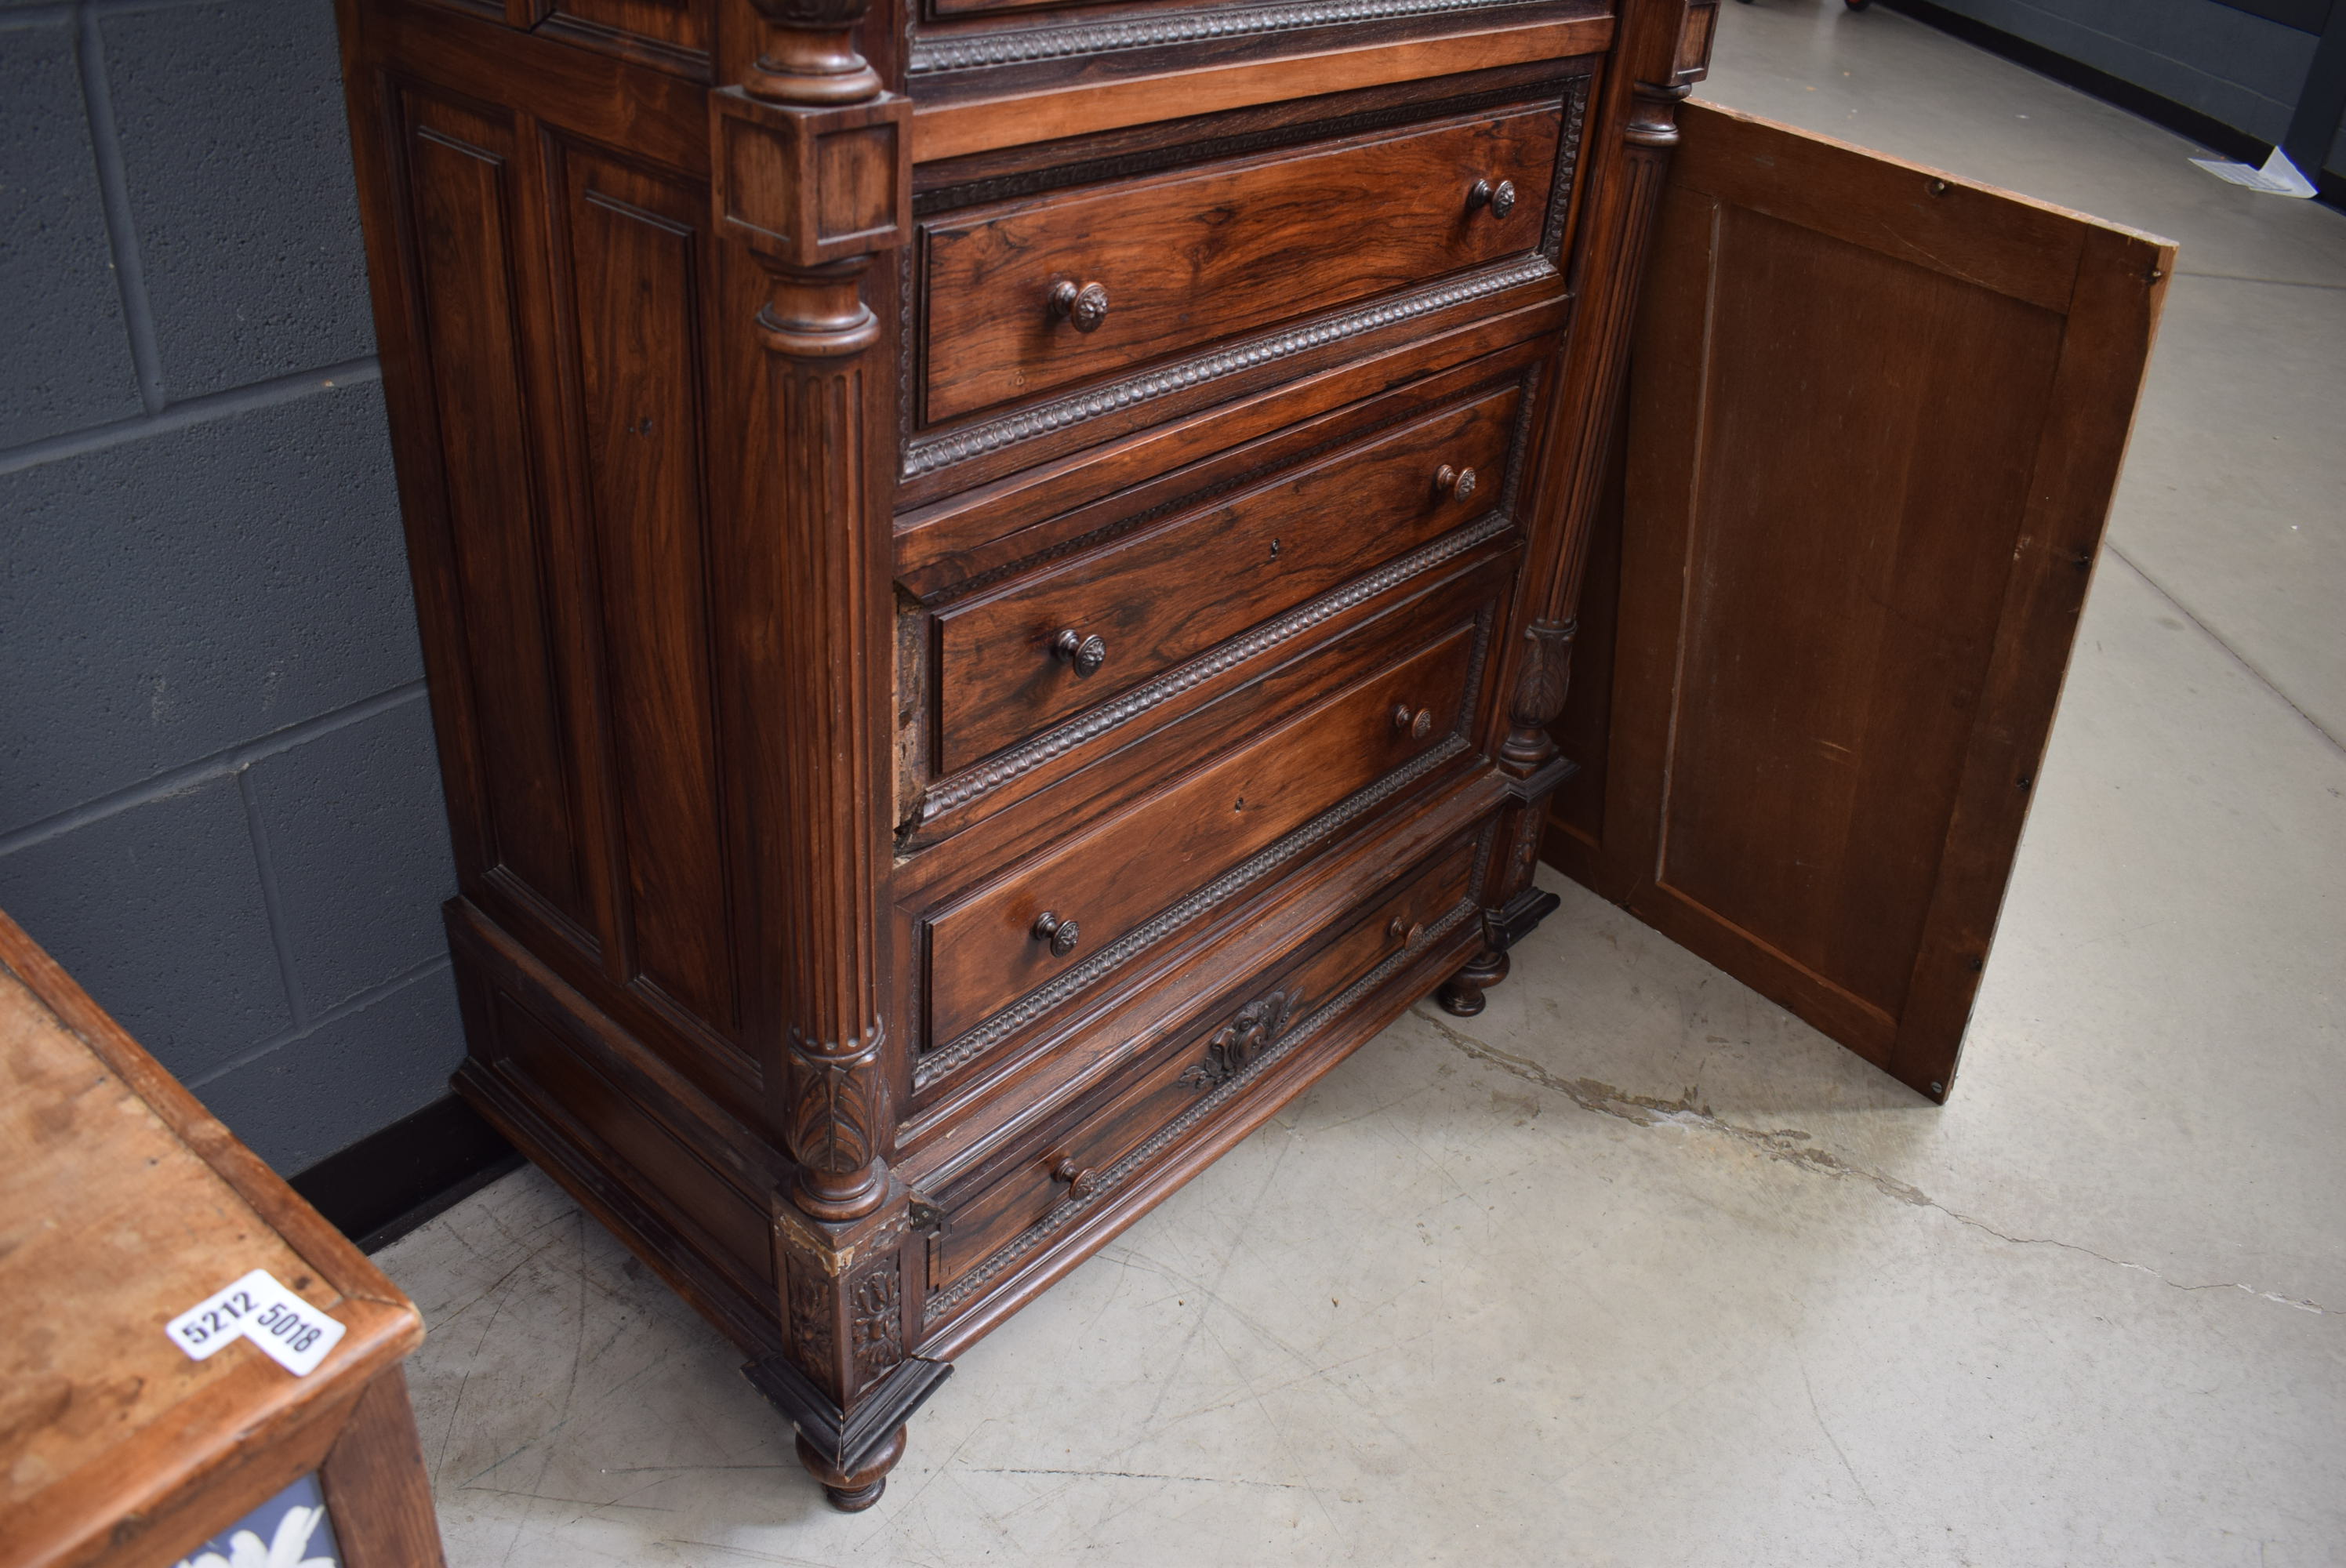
(1081, 1183)
(1500, 198)
(1085, 654)
(1414, 721)
(1404, 932)
(1086, 305)
(1062, 934)
(1457, 484)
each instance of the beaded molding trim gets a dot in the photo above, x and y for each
(925, 456)
(975, 783)
(1147, 160)
(1567, 165)
(1043, 998)
(931, 56)
(1068, 1212)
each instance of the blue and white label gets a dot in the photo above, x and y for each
(296, 1335)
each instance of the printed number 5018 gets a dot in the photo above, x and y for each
(281, 1321)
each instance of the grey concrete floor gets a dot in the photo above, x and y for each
(1634, 1268)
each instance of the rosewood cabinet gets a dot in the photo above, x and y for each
(1002, 580)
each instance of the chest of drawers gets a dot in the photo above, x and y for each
(1000, 577)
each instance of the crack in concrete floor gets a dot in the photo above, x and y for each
(1144, 1475)
(1789, 1145)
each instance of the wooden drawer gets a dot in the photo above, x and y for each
(1054, 643)
(1079, 1160)
(1183, 259)
(1075, 903)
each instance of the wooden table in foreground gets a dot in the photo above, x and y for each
(122, 1205)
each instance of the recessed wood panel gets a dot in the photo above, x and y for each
(461, 189)
(1838, 619)
(678, 24)
(636, 254)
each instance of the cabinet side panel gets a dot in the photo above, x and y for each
(460, 177)
(637, 248)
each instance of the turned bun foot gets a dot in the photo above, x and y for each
(1458, 999)
(853, 1492)
(1461, 995)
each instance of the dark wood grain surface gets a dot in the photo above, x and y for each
(984, 952)
(1159, 596)
(955, 126)
(1187, 259)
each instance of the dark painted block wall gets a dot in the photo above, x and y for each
(218, 804)
(2242, 65)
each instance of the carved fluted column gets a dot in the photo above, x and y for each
(1665, 47)
(810, 173)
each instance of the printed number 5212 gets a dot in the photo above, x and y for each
(225, 1317)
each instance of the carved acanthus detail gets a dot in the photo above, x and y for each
(827, 639)
(838, 1109)
(1541, 681)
